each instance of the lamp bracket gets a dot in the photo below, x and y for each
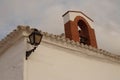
(28, 53)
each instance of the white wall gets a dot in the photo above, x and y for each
(11, 62)
(50, 62)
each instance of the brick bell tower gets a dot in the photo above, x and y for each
(78, 27)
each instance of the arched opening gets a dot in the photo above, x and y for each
(83, 32)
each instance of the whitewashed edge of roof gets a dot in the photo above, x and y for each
(21, 31)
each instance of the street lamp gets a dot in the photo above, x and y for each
(34, 39)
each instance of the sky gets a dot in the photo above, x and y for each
(46, 15)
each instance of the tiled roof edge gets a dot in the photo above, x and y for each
(63, 40)
(12, 37)
(22, 31)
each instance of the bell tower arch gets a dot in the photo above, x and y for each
(78, 27)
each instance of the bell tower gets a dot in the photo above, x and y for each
(78, 27)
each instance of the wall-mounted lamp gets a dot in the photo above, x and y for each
(34, 39)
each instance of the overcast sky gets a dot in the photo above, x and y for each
(46, 15)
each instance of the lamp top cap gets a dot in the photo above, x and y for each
(34, 29)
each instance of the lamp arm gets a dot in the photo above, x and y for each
(28, 53)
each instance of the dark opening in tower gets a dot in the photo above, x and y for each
(78, 27)
(83, 32)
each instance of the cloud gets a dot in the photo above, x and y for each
(47, 16)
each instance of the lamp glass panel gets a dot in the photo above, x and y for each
(37, 39)
(31, 39)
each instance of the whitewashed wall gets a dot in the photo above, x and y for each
(50, 62)
(12, 60)
(53, 61)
